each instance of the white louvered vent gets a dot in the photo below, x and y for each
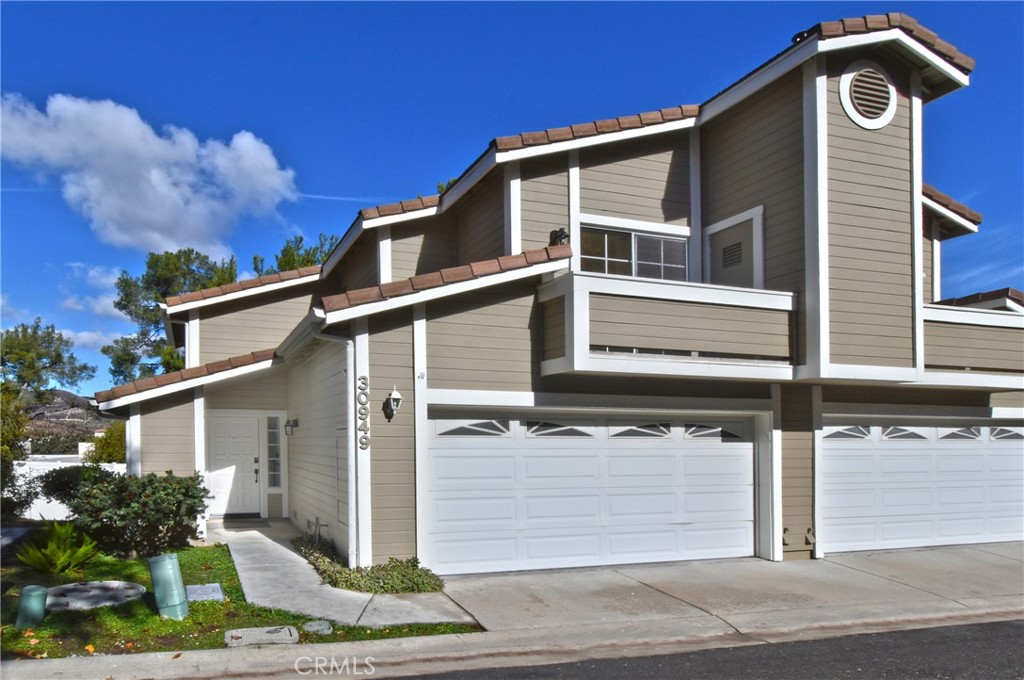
(870, 93)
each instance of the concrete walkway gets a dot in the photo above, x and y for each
(569, 615)
(274, 575)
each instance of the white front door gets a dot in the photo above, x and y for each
(234, 465)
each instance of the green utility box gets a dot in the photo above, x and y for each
(168, 588)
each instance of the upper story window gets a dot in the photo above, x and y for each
(606, 251)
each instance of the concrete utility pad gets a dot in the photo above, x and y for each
(92, 595)
(278, 635)
(956, 573)
(562, 598)
(724, 587)
(204, 592)
(390, 610)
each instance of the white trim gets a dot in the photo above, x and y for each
(846, 94)
(819, 440)
(936, 263)
(343, 315)
(481, 166)
(513, 210)
(972, 316)
(948, 214)
(972, 379)
(351, 235)
(184, 385)
(816, 265)
(777, 458)
(388, 220)
(696, 206)
(659, 228)
(350, 445)
(594, 140)
(916, 214)
(756, 216)
(133, 441)
(384, 255)
(192, 339)
(1007, 413)
(896, 35)
(612, 404)
(995, 304)
(703, 293)
(574, 208)
(679, 366)
(868, 372)
(263, 446)
(422, 429)
(199, 439)
(364, 518)
(247, 292)
(577, 341)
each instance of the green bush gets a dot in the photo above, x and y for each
(54, 443)
(62, 484)
(110, 446)
(19, 492)
(63, 548)
(395, 576)
(140, 516)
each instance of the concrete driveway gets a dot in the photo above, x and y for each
(754, 596)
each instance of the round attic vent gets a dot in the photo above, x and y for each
(868, 95)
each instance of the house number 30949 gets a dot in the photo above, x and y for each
(363, 411)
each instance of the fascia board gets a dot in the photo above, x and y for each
(238, 295)
(948, 214)
(158, 392)
(970, 316)
(594, 140)
(896, 35)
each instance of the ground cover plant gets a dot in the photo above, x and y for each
(135, 627)
(394, 576)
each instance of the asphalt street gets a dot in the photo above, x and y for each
(990, 651)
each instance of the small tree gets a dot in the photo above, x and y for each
(35, 357)
(108, 447)
(13, 420)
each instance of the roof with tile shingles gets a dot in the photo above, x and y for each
(245, 284)
(952, 205)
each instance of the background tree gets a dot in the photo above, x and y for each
(295, 255)
(109, 447)
(35, 357)
(146, 352)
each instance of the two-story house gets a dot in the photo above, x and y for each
(707, 331)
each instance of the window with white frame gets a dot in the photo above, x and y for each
(273, 451)
(623, 253)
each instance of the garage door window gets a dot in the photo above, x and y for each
(709, 432)
(642, 431)
(1007, 433)
(472, 428)
(901, 433)
(961, 434)
(535, 428)
(855, 432)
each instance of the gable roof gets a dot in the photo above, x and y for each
(179, 378)
(950, 204)
(244, 285)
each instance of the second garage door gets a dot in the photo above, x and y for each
(507, 494)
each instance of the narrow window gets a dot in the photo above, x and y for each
(273, 451)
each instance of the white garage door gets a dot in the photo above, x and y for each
(902, 487)
(508, 494)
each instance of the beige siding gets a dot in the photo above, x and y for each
(266, 391)
(168, 435)
(393, 445)
(426, 245)
(318, 448)
(926, 261)
(980, 348)
(797, 470)
(753, 155)
(646, 179)
(482, 341)
(637, 323)
(251, 324)
(870, 232)
(544, 190)
(358, 269)
(480, 221)
(857, 394)
(1007, 400)
(553, 316)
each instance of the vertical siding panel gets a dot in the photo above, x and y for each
(544, 189)
(393, 445)
(168, 435)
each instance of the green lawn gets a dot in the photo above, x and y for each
(136, 627)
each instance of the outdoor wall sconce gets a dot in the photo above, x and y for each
(392, 403)
(558, 237)
(290, 425)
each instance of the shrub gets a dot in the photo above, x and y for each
(108, 447)
(62, 484)
(140, 516)
(53, 443)
(395, 576)
(63, 548)
(19, 492)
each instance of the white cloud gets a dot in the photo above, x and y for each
(139, 188)
(10, 314)
(90, 339)
(100, 305)
(94, 276)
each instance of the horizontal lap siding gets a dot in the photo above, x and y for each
(553, 314)
(358, 269)
(168, 435)
(857, 394)
(544, 190)
(646, 179)
(482, 341)
(980, 348)
(797, 469)
(753, 155)
(267, 391)
(926, 260)
(392, 445)
(684, 326)
(480, 221)
(261, 324)
(318, 447)
(870, 233)
(427, 245)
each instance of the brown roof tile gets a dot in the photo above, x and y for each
(245, 284)
(949, 203)
(444, 277)
(1011, 293)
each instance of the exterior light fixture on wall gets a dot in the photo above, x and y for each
(558, 237)
(392, 403)
(290, 425)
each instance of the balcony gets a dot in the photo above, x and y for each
(607, 324)
(966, 341)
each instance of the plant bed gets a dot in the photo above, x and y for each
(135, 627)
(394, 576)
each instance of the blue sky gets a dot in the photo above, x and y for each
(286, 118)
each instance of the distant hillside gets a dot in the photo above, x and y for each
(65, 414)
